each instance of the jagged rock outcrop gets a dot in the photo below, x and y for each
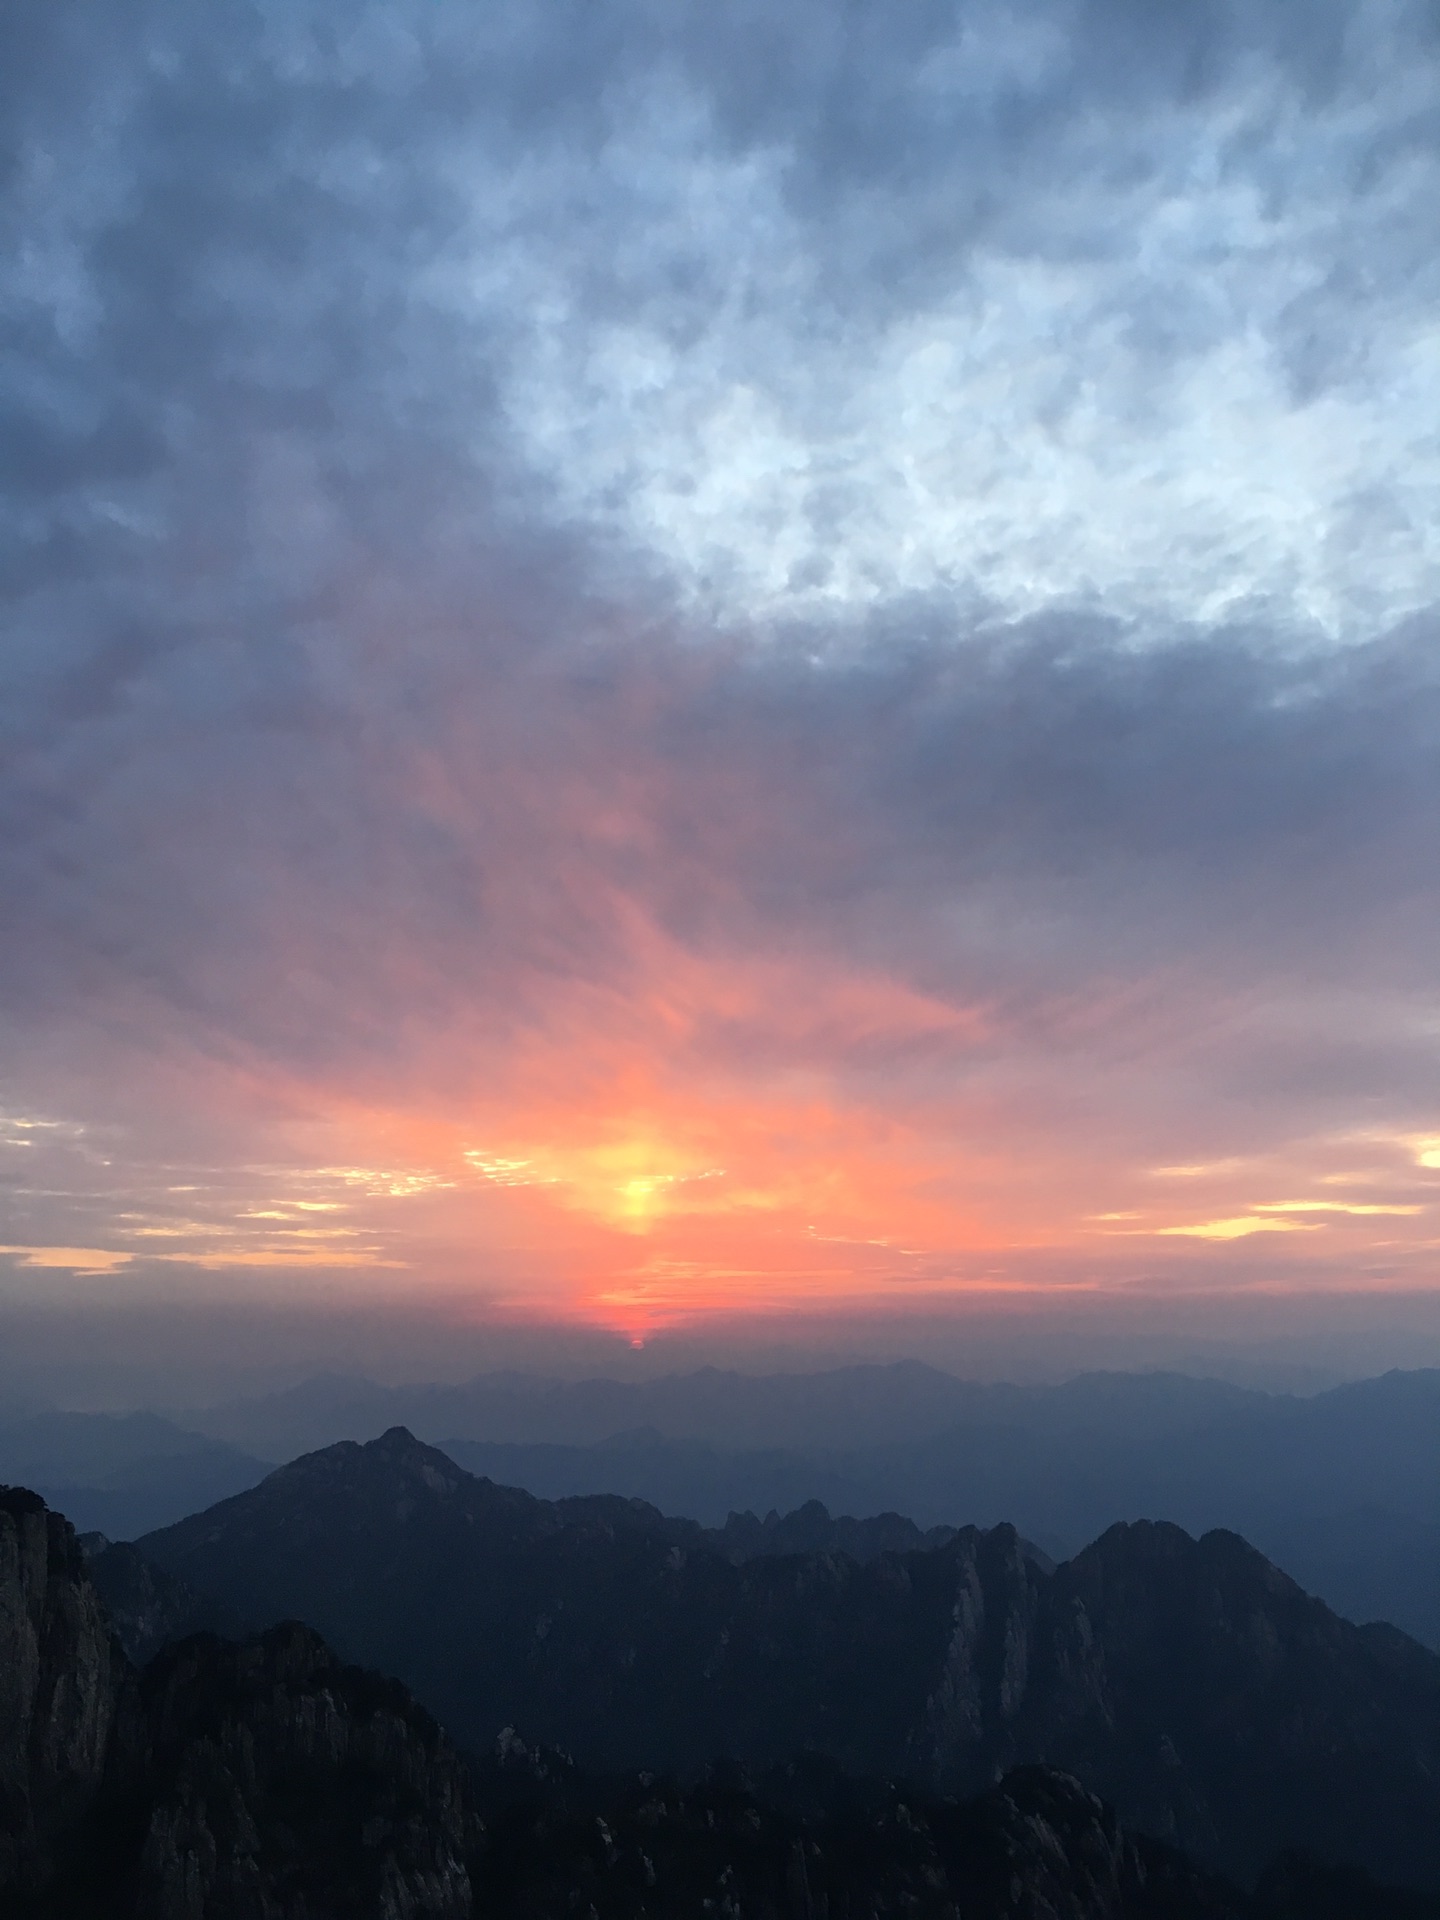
(282, 1783)
(258, 1781)
(60, 1683)
(811, 1529)
(1198, 1688)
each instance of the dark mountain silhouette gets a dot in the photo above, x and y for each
(1342, 1489)
(840, 1408)
(1190, 1682)
(811, 1529)
(266, 1780)
(148, 1608)
(261, 1779)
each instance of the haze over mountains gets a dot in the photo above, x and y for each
(122, 1474)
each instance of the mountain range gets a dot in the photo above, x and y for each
(1189, 1682)
(1341, 1488)
(264, 1779)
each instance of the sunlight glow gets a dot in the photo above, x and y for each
(82, 1260)
(1238, 1227)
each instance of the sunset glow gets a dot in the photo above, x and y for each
(621, 710)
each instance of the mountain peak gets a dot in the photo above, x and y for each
(1189, 1680)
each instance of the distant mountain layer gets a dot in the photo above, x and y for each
(1191, 1683)
(266, 1781)
(841, 1409)
(1342, 1489)
(122, 1474)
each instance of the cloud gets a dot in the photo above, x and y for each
(1240, 1227)
(1024, 303)
(77, 1260)
(635, 591)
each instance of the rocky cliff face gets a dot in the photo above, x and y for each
(261, 1781)
(1218, 1705)
(60, 1686)
(281, 1783)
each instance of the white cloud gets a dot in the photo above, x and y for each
(1180, 377)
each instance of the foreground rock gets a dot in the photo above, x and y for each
(807, 1842)
(281, 1782)
(61, 1687)
(262, 1779)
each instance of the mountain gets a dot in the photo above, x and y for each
(811, 1529)
(1342, 1488)
(122, 1474)
(60, 1687)
(265, 1780)
(148, 1608)
(1190, 1682)
(843, 1407)
(1367, 1562)
(261, 1779)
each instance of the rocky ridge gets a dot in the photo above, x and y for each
(267, 1780)
(1189, 1682)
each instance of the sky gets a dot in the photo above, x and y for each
(669, 665)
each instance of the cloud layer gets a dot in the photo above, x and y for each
(657, 658)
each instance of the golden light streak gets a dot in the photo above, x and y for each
(1330, 1206)
(84, 1260)
(1239, 1227)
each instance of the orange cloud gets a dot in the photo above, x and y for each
(1237, 1227)
(696, 1129)
(82, 1260)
